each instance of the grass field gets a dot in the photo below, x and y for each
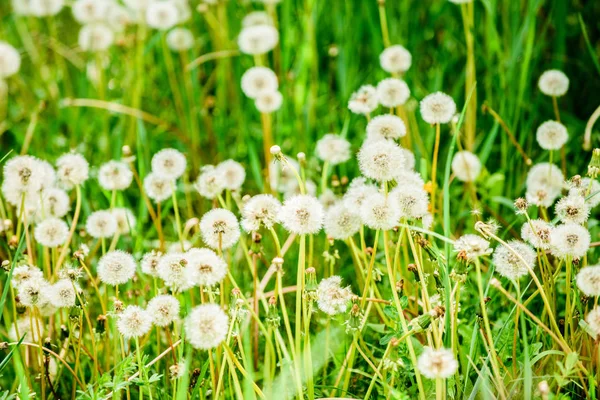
(203, 199)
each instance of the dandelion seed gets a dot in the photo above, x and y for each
(268, 102)
(258, 39)
(220, 229)
(211, 182)
(169, 164)
(380, 212)
(33, 292)
(232, 173)
(411, 201)
(101, 224)
(134, 322)
(180, 39)
(438, 108)
(23, 176)
(386, 126)
(302, 214)
(472, 246)
(62, 294)
(364, 100)
(332, 298)
(572, 209)
(163, 309)
(434, 364)
(115, 175)
(552, 135)
(392, 92)
(514, 259)
(260, 210)
(72, 170)
(554, 83)
(570, 240)
(333, 149)
(340, 223)
(588, 280)
(95, 37)
(10, 60)
(395, 59)
(150, 262)
(259, 80)
(55, 202)
(538, 233)
(51, 232)
(205, 267)
(116, 268)
(380, 160)
(172, 269)
(206, 326)
(466, 166)
(158, 188)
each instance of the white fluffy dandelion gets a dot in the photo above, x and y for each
(45, 8)
(593, 320)
(412, 201)
(24, 273)
(554, 83)
(392, 92)
(134, 322)
(125, 220)
(268, 102)
(341, 223)
(10, 60)
(180, 39)
(588, 280)
(33, 292)
(537, 232)
(551, 135)
(466, 166)
(163, 309)
(95, 37)
(150, 262)
(51, 232)
(260, 210)
(386, 126)
(55, 202)
(169, 164)
(395, 59)
(232, 173)
(380, 212)
(514, 259)
(172, 269)
(206, 326)
(258, 39)
(205, 267)
(72, 169)
(434, 364)
(259, 80)
(162, 15)
(302, 214)
(211, 182)
(472, 246)
(572, 209)
(157, 187)
(358, 191)
(220, 228)
(87, 11)
(333, 149)
(101, 224)
(62, 294)
(438, 108)
(364, 100)
(115, 175)
(570, 240)
(116, 267)
(380, 160)
(332, 298)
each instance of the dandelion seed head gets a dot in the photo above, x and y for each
(232, 173)
(258, 39)
(554, 83)
(55, 202)
(412, 201)
(570, 240)
(172, 269)
(116, 267)
(409, 177)
(205, 267)
(466, 166)
(333, 149)
(268, 102)
(392, 92)
(341, 223)
(386, 126)
(10, 60)
(515, 263)
(95, 37)
(380, 160)
(434, 364)
(472, 246)
(150, 262)
(588, 280)
(180, 39)
(328, 199)
(125, 220)
(358, 191)
(332, 298)
(380, 212)
(259, 80)
(593, 320)
(62, 294)
(537, 232)
(32, 292)
(206, 326)
(115, 175)
(51, 232)
(23, 177)
(552, 135)
(438, 108)
(162, 15)
(24, 273)
(572, 209)
(302, 214)
(395, 59)
(163, 309)
(157, 187)
(260, 210)
(134, 322)
(101, 224)
(72, 169)
(169, 164)
(364, 100)
(45, 8)
(211, 182)
(220, 228)
(88, 11)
